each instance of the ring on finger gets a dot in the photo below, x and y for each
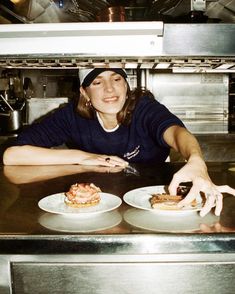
(107, 159)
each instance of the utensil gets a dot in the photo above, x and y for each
(11, 121)
(6, 102)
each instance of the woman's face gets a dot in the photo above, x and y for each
(107, 93)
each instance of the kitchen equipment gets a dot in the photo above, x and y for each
(11, 120)
(6, 102)
(39, 107)
(110, 14)
(153, 45)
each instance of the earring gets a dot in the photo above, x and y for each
(88, 103)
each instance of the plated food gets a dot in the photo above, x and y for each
(81, 200)
(82, 195)
(140, 198)
(170, 202)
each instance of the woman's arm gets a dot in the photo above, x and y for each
(182, 141)
(22, 174)
(33, 155)
(195, 171)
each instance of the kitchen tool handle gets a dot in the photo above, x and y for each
(6, 103)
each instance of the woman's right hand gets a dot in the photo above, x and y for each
(103, 160)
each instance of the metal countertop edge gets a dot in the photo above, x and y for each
(118, 244)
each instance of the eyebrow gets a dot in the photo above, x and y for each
(113, 74)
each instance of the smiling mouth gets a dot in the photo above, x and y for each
(111, 99)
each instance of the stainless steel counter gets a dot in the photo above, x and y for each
(138, 250)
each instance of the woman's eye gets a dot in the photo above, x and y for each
(96, 83)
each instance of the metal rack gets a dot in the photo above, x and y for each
(150, 45)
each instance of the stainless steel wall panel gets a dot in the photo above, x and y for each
(200, 100)
(199, 39)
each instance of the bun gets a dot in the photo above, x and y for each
(165, 201)
(82, 195)
(79, 205)
(168, 202)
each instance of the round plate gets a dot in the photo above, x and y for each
(176, 223)
(63, 223)
(55, 204)
(139, 198)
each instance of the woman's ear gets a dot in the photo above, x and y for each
(82, 91)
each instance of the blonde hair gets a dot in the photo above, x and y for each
(86, 110)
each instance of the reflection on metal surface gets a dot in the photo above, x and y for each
(124, 276)
(131, 170)
(167, 223)
(80, 225)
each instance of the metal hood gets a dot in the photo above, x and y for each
(154, 45)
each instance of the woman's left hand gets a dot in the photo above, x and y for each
(195, 171)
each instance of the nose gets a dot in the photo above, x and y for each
(108, 86)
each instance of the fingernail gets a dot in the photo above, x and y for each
(202, 214)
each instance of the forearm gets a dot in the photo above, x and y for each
(32, 155)
(183, 142)
(27, 174)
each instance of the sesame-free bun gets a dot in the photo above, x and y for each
(167, 202)
(82, 195)
(79, 205)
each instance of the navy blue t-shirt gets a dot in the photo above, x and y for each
(141, 141)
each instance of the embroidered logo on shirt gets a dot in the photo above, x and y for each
(133, 153)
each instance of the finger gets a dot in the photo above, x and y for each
(112, 161)
(105, 161)
(204, 211)
(172, 188)
(209, 204)
(119, 161)
(192, 194)
(219, 203)
(226, 189)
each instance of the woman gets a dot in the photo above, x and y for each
(112, 126)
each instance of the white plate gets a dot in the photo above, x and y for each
(139, 198)
(55, 204)
(176, 223)
(97, 222)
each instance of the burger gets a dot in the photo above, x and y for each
(82, 195)
(170, 202)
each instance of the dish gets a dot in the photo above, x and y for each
(176, 223)
(55, 204)
(139, 198)
(97, 222)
